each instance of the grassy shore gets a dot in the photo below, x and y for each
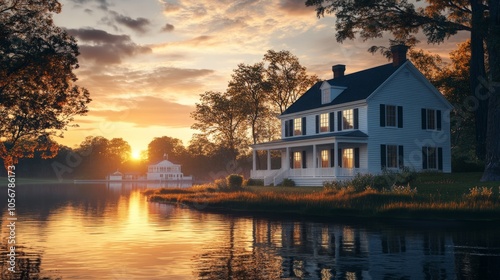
(432, 196)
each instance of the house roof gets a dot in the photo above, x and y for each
(359, 86)
(164, 163)
(350, 133)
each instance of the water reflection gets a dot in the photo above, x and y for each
(112, 232)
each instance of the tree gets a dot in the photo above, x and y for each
(249, 89)
(93, 160)
(38, 97)
(120, 150)
(438, 20)
(287, 78)
(163, 146)
(218, 116)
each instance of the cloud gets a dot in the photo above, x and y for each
(139, 25)
(168, 28)
(179, 83)
(296, 7)
(102, 4)
(103, 47)
(171, 5)
(149, 111)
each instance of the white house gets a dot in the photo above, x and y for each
(166, 171)
(388, 116)
(116, 176)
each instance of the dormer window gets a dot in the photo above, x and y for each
(325, 96)
(329, 92)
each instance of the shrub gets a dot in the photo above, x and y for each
(336, 185)
(288, 183)
(479, 193)
(400, 189)
(388, 178)
(234, 181)
(221, 184)
(254, 182)
(361, 181)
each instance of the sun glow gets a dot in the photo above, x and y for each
(136, 155)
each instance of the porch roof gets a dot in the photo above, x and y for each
(310, 139)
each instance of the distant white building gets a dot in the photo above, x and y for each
(166, 171)
(117, 176)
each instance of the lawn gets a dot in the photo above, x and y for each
(430, 196)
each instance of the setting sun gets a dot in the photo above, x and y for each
(135, 155)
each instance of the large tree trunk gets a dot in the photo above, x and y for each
(492, 170)
(477, 70)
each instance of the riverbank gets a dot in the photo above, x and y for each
(456, 197)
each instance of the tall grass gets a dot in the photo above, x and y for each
(405, 201)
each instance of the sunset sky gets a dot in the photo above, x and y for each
(146, 62)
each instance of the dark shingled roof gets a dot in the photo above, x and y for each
(359, 86)
(350, 133)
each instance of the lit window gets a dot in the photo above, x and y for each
(348, 158)
(348, 119)
(324, 122)
(297, 126)
(297, 160)
(390, 115)
(392, 156)
(325, 158)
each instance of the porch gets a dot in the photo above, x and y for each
(310, 161)
(306, 176)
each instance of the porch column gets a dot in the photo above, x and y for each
(268, 159)
(315, 161)
(287, 159)
(336, 159)
(254, 163)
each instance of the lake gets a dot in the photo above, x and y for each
(100, 231)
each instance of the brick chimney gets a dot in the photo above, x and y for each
(338, 70)
(398, 55)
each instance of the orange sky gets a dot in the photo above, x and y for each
(146, 62)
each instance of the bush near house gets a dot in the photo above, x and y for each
(288, 183)
(386, 180)
(234, 181)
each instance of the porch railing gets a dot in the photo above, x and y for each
(276, 176)
(326, 172)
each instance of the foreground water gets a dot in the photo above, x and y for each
(112, 232)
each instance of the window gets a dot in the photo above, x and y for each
(390, 115)
(431, 119)
(324, 122)
(432, 158)
(348, 119)
(348, 158)
(297, 126)
(325, 158)
(325, 96)
(297, 160)
(392, 156)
